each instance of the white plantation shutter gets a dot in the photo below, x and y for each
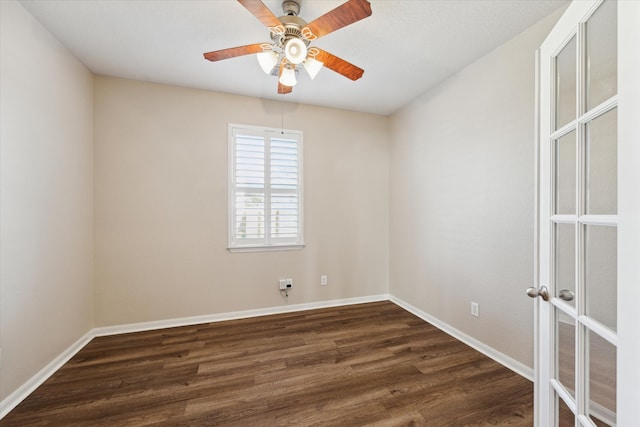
(284, 188)
(265, 192)
(249, 192)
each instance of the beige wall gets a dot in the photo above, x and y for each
(462, 199)
(161, 205)
(46, 255)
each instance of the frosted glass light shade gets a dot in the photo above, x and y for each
(267, 60)
(313, 67)
(288, 77)
(295, 50)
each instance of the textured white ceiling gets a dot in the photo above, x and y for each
(405, 47)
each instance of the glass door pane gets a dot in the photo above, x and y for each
(566, 351)
(601, 406)
(602, 54)
(602, 164)
(565, 174)
(565, 105)
(600, 274)
(565, 260)
(565, 416)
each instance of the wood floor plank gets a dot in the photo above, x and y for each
(369, 364)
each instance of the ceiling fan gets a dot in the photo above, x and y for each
(290, 40)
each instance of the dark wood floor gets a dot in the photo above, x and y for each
(366, 364)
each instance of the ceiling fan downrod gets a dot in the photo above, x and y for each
(291, 7)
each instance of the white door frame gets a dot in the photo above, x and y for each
(628, 377)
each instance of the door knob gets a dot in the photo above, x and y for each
(542, 291)
(566, 295)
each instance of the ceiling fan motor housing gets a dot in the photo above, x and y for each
(292, 29)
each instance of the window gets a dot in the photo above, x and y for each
(265, 189)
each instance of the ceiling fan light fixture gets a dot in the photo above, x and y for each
(267, 60)
(295, 50)
(313, 67)
(288, 77)
(290, 40)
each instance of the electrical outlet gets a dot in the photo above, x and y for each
(323, 280)
(283, 284)
(475, 309)
(289, 283)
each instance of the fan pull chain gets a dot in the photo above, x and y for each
(282, 118)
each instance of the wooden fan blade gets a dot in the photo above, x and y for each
(283, 90)
(339, 65)
(262, 12)
(233, 52)
(343, 15)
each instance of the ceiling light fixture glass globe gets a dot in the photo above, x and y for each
(267, 60)
(288, 77)
(295, 50)
(313, 67)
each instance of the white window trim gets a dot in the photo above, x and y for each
(232, 245)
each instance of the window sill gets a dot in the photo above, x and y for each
(263, 248)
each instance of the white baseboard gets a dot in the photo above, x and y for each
(27, 388)
(501, 358)
(34, 382)
(245, 314)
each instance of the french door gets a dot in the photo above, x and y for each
(577, 310)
